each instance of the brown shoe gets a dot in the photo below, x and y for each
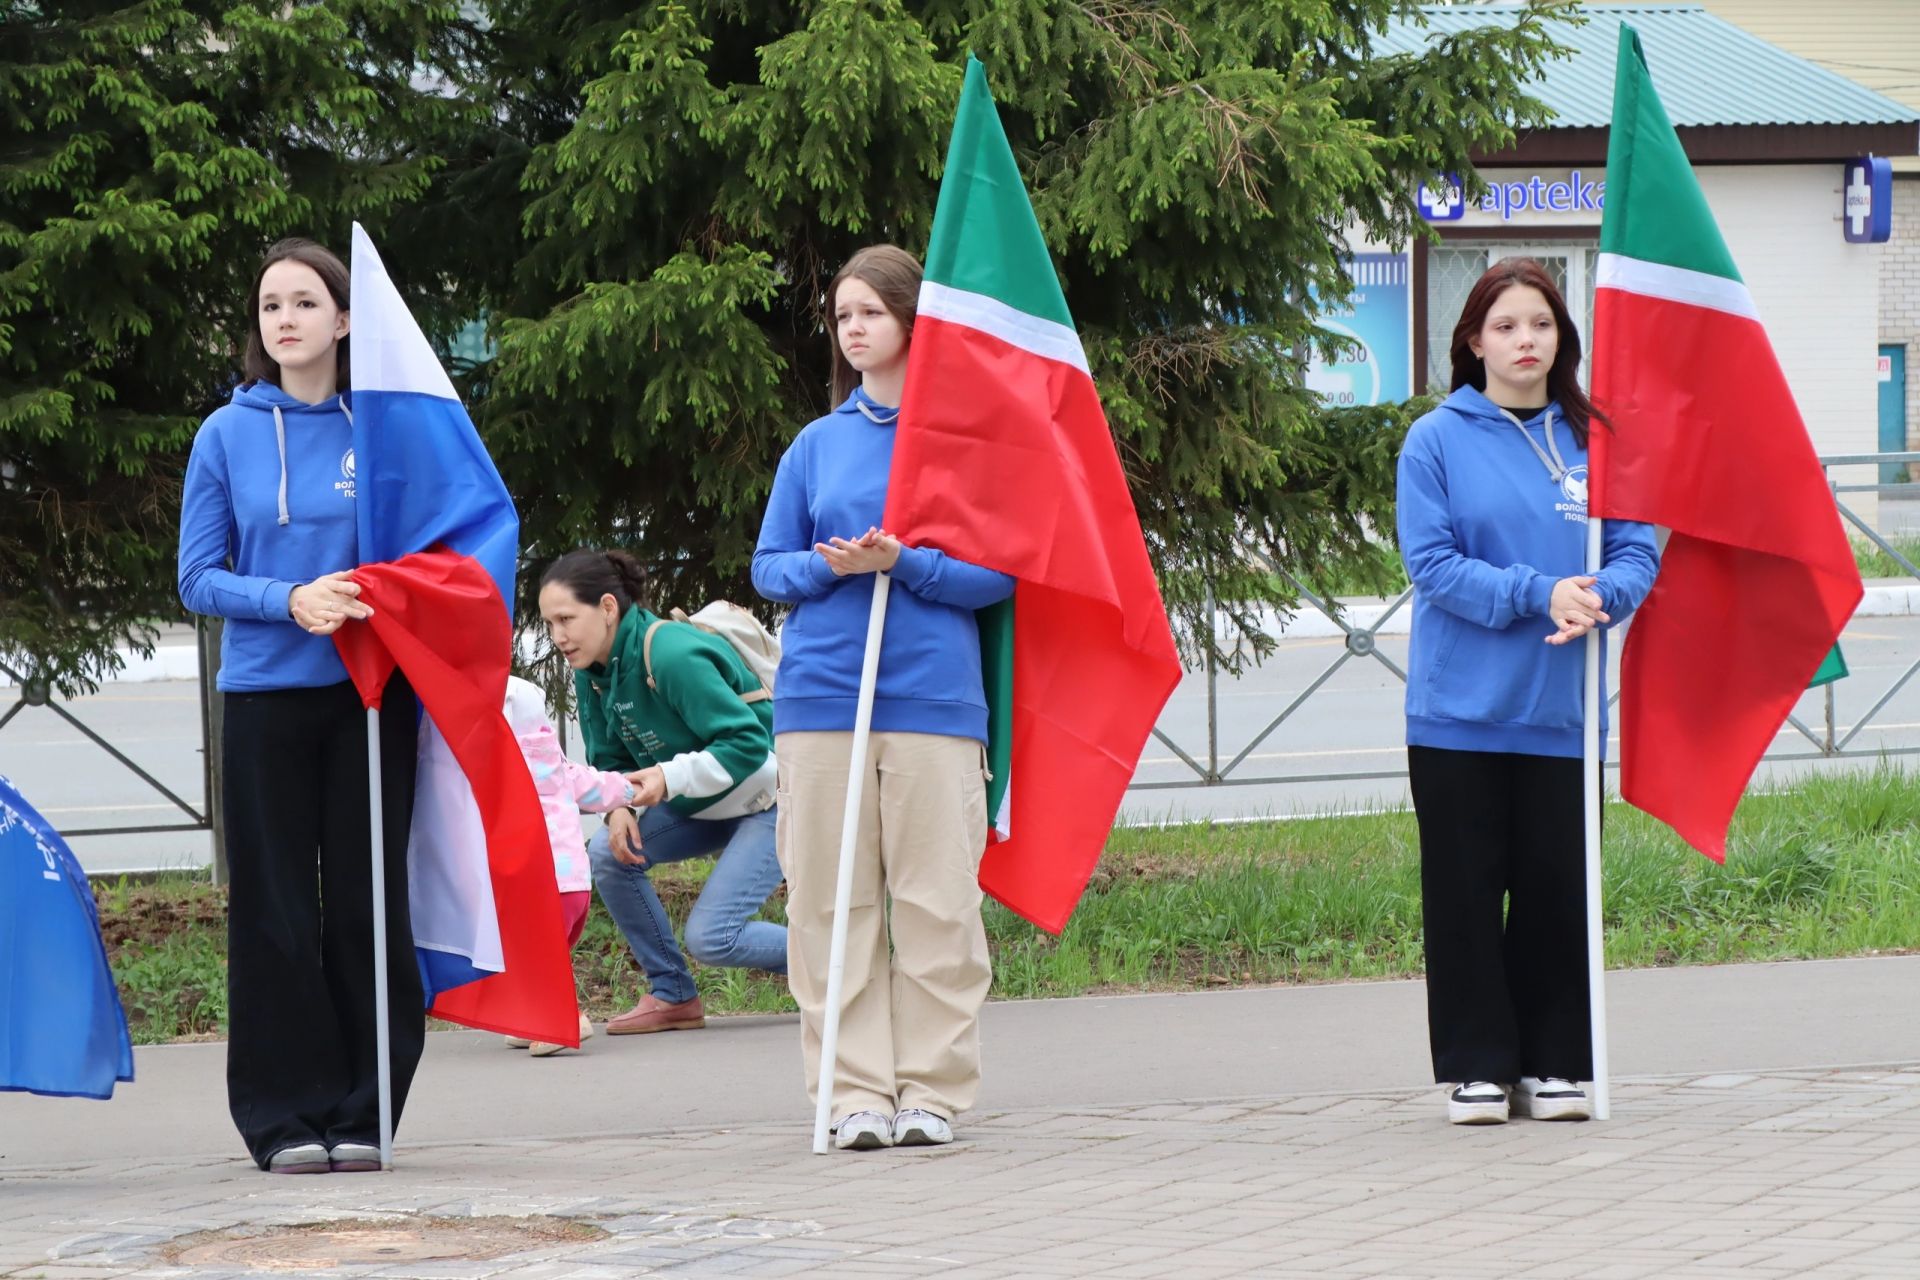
(653, 1015)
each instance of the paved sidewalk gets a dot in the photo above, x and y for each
(1767, 1170)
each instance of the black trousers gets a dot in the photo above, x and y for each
(301, 1061)
(1505, 998)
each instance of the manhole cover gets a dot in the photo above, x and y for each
(317, 1246)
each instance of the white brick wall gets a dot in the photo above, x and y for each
(1818, 296)
(1900, 290)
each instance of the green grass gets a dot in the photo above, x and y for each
(1875, 563)
(1204, 905)
(176, 989)
(1828, 867)
(167, 941)
(1377, 572)
(1831, 868)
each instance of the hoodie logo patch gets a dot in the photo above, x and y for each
(345, 483)
(1573, 486)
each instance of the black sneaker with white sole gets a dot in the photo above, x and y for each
(1550, 1099)
(1478, 1102)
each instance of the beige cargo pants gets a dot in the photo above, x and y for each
(910, 1021)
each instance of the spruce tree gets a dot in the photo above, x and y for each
(644, 203)
(690, 174)
(150, 152)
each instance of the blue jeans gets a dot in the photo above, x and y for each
(721, 930)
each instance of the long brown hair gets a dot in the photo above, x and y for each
(891, 272)
(258, 365)
(1563, 379)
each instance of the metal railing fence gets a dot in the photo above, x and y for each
(1834, 741)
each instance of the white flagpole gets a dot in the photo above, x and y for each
(383, 1050)
(1590, 787)
(843, 887)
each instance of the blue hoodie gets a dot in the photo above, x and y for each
(833, 483)
(1486, 531)
(268, 505)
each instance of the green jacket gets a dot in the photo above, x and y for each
(715, 749)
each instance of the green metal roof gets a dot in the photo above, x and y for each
(1708, 72)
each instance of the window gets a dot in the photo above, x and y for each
(1453, 268)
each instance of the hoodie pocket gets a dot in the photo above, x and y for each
(1510, 676)
(1424, 690)
(1443, 656)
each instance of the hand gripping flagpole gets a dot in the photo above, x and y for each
(1591, 791)
(383, 1049)
(843, 886)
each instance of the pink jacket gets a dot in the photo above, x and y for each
(566, 787)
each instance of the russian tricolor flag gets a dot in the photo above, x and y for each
(438, 542)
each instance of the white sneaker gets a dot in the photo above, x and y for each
(302, 1157)
(1478, 1102)
(862, 1131)
(541, 1049)
(354, 1157)
(1551, 1099)
(916, 1128)
(515, 1042)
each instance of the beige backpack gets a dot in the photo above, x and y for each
(757, 646)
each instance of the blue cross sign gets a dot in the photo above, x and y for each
(1866, 200)
(1442, 198)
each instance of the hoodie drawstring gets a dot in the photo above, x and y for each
(1556, 465)
(280, 434)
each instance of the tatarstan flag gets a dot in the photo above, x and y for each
(1003, 457)
(1758, 579)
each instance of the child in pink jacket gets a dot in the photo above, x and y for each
(567, 788)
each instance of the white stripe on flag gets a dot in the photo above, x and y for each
(449, 883)
(389, 351)
(1002, 820)
(1675, 284)
(1030, 333)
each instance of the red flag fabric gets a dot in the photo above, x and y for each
(1003, 457)
(438, 616)
(1758, 578)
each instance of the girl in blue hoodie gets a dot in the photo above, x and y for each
(908, 1056)
(1492, 525)
(267, 537)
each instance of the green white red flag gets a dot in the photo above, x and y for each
(1758, 578)
(1003, 457)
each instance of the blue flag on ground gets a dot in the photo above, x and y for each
(62, 1031)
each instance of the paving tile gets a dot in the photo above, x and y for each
(1757, 1174)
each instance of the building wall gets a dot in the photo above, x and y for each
(1818, 296)
(1900, 292)
(1875, 43)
